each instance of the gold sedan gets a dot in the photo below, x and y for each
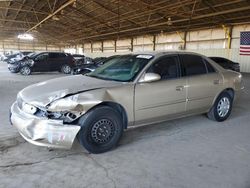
(130, 90)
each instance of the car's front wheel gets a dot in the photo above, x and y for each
(25, 70)
(222, 107)
(101, 129)
(66, 69)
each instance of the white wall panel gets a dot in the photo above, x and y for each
(143, 40)
(164, 38)
(97, 47)
(125, 42)
(217, 33)
(237, 29)
(210, 42)
(18, 45)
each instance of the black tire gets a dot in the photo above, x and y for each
(217, 113)
(26, 70)
(101, 129)
(66, 69)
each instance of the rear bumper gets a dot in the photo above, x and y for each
(43, 131)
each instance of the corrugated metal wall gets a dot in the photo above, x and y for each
(19, 45)
(210, 42)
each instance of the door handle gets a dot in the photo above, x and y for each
(216, 82)
(179, 88)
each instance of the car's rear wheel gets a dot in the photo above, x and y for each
(222, 107)
(66, 69)
(25, 70)
(101, 129)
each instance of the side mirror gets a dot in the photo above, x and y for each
(149, 77)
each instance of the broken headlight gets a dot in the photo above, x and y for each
(30, 109)
(64, 109)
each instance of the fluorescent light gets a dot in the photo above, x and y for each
(25, 36)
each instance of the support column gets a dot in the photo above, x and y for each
(115, 46)
(183, 39)
(3, 47)
(91, 47)
(18, 44)
(132, 44)
(33, 46)
(154, 39)
(228, 32)
(102, 46)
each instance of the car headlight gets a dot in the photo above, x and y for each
(30, 109)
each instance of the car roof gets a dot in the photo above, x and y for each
(218, 57)
(161, 53)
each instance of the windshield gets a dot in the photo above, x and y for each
(123, 68)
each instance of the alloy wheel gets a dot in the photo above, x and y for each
(223, 107)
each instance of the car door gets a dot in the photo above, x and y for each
(55, 61)
(203, 82)
(163, 99)
(41, 62)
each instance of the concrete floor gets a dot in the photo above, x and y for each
(190, 152)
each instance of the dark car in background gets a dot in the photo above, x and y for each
(16, 56)
(43, 62)
(80, 59)
(226, 63)
(95, 63)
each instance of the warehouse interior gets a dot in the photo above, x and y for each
(106, 27)
(187, 152)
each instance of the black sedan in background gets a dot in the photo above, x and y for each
(226, 63)
(43, 62)
(91, 65)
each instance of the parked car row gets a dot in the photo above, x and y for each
(28, 62)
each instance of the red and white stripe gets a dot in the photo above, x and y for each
(244, 50)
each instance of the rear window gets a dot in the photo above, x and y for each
(192, 65)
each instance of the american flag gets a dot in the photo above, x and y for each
(245, 43)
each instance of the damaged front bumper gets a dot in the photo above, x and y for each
(42, 131)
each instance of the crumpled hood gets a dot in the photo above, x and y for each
(43, 93)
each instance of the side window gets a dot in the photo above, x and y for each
(61, 55)
(166, 67)
(192, 65)
(42, 57)
(210, 68)
(56, 55)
